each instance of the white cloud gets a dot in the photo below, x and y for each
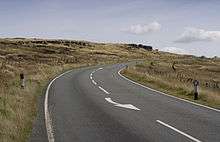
(143, 29)
(193, 35)
(174, 50)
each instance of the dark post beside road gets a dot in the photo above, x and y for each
(196, 84)
(22, 80)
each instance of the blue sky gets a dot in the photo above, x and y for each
(182, 26)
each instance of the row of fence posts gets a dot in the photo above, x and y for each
(195, 84)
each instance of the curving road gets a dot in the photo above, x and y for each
(97, 104)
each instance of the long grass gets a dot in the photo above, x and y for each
(40, 61)
(159, 73)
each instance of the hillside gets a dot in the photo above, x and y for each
(40, 60)
(174, 75)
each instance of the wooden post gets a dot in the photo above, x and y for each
(196, 84)
(22, 80)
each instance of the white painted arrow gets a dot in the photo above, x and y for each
(128, 106)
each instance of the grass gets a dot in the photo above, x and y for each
(41, 60)
(174, 75)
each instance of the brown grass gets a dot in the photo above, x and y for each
(41, 60)
(158, 72)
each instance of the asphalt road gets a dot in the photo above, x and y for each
(96, 104)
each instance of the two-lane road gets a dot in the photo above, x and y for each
(98, 104)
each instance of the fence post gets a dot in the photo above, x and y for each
(22, 80)
(196, 84)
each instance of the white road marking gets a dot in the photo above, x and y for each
(48, 121)
(94, 82)
(104, 90)
(129, 106)
(218, 110)
(93, 72)
(178, 131)
(91, 75)
(97, 70)
(110, 101)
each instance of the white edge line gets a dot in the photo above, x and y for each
(182, 133)
(48, 121)
(167, 94)
(104, 90)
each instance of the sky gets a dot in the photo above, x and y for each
(179, 26)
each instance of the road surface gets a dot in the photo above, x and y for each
(96, 104)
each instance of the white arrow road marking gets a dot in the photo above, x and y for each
(180, 132)
(94, 82)
(129, 106)
(110, 101)
(104, 90)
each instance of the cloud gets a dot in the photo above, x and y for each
(174, 50)
(193, 35)
(143, 29)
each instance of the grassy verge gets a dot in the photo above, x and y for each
(19, 106)
(41, 60)
(160, 76)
